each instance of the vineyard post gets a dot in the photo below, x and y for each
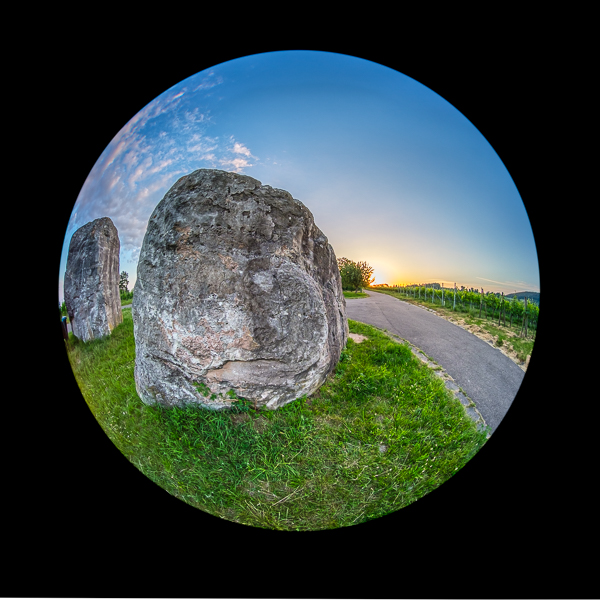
(481, 303)
(454, 303)
(524, 326)
(500, 310)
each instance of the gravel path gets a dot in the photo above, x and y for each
(487, 377)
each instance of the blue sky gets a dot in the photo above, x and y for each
(393, 174)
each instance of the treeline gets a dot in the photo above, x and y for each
(531, 296)
(490, 305)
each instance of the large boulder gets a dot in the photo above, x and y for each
(91, 284)
(237, 291)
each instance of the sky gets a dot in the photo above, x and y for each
(393, 174)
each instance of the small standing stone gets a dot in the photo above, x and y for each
(92, 280)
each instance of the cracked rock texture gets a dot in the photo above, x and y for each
(237, 291)
(91, 285)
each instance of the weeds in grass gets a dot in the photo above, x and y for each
(379, 434)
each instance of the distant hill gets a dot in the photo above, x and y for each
(533, 296)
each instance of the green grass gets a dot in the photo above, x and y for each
(508, 336)
(355, 295)
(380, 433)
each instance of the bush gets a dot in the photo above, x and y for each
(355, 275)
(126, 297)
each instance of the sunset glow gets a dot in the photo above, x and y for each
(393, 174)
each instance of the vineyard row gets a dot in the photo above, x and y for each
(489, 305)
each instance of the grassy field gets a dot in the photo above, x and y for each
(382, 432)
(355, 295)
(522, 347)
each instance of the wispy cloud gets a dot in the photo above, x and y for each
(238, 164)
(168, 138)
(141, 171)
(233, 160)
(208, 82)
(511, 285)
(241, 149)
(508, 283)
(205, 145)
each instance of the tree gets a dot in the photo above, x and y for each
(351, 277)
(366, 272)
(343, 262)
(124, 282)
(355, 275)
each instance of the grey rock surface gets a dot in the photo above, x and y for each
(237, 291)
(91, 285)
